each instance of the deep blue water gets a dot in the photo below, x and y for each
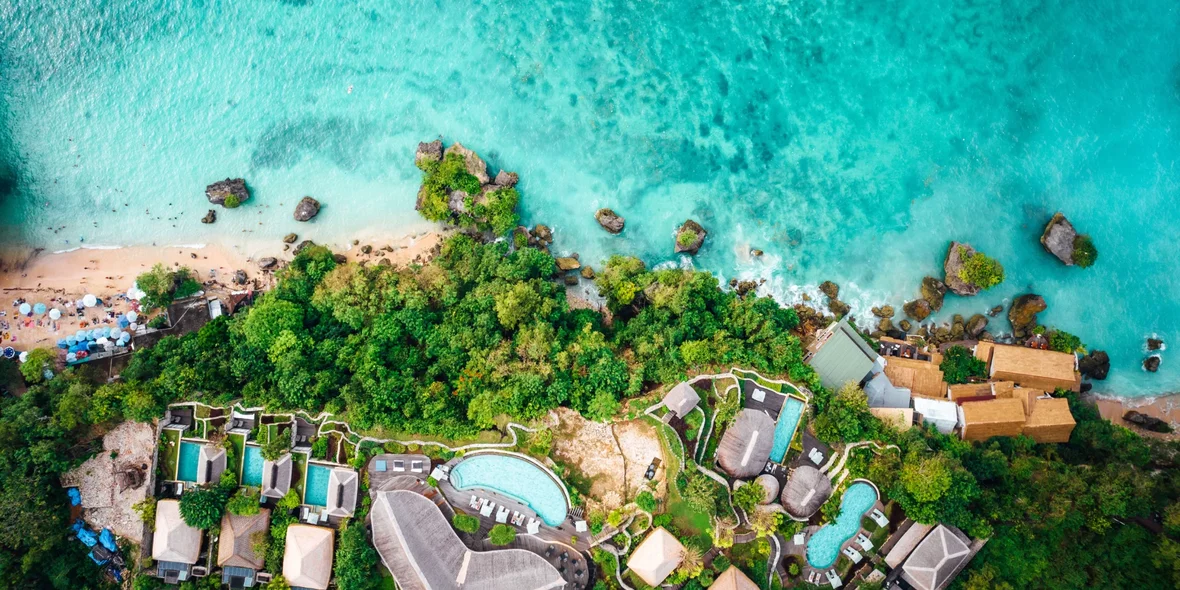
(849, 140)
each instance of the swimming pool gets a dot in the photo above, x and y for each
(186, 464)
(824, 546)
(516, 478)
(784, 429)
(315, 490)
(252, 466)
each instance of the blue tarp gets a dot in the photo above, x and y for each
(75, 496)
(88, 537)
(108, 540)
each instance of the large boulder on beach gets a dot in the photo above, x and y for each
(1058, 238)
(609, 220)
(690, 237)
(568, 263)
(1095, 365)
(222, 189)
(1147, 422)
(240, 277)
(428, 151)
(1023, 314)
(1151, 364)
(306, 209)
(268, 263)
(475, 164)
(918, 309)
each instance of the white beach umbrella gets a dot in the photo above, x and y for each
(55, 314)
(25, 308)
(101, 341)
(24, 356)
(89, 300)
(134, 326)
(132, 316)
(135, 293)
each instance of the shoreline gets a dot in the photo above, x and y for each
(1166, 407)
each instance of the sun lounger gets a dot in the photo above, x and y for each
(864, 542)
(502, 515)
(759, 395)
(833, 579)
(399, 465)
(853, 554)
(487, 508)
(534, 526)
(474, 503)
(800, 538)
(879, 518)
(379, 466)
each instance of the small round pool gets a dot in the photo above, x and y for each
(516, 478)
(824, 546)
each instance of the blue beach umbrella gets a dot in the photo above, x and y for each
(62, 344)
(71, 357)
(123, 321)
(71, 340)
(39, 308)
(25, 308)
(9, 352)
(80, 335)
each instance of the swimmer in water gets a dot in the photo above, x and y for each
(350, 88)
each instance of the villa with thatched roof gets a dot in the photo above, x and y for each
(656, 557)
(921, 378)
(839, 355)
(746, 445)
(997, 417)
(175, 545)
(682, 399)
(1015, 411)
(235, 551)
(935, 562)
(1047, 370)
(276, 477)
(419, 547)
(733, 579)
(806, 491)
(342, 491)
(769, 487)
(307, 558)
(211, 461)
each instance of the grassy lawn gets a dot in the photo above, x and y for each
(300, 460)
(387, 582)
(239, 443)
(170, 453)
(672, 454)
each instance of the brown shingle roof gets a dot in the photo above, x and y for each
(997, 417)
(1030, 367)
(961, 391)
(920, 377)
(236, 547)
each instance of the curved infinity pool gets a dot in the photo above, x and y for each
(516, 478)
(824, 546)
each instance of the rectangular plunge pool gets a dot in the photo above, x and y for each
(784, 429)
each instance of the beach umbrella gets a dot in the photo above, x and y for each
(134, 293)
(25, 308)
(71, 340)
(55, 314)
(134, 326)
(102, 341)
(132, 316)
(71, 357)
(62, 344)
(24, 356)
(80, 335)
(123, 321)
(89, 300)
(39, 308)
(9, 352)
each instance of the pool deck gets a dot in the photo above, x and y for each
(874, 556)
(558, 537)
(773, 404)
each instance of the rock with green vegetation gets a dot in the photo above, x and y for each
(456, 189)
(163, 285)
(968, 272)
(1063, 241)
(1085, 254)
(1023, 314)
(838, 308)
(229, 193)
(473, 163)
(690, 237)
(428, 152)
(609, 220)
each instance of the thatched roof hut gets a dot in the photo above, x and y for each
(307, 560)
(656, 557)
(745, 448)
(806, 491)
(682, 399)
(733, 579)
(770, 485)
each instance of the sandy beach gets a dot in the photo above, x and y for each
(60, 279)
(1164, 407)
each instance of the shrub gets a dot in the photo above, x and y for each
(159, 322)
(319, 448)
(465, 522)
(1084, 252)
(793, 569)
(980, 270)
(686, 238)
(162, 285)
(596, 521)
(720, 563)
(276, 447)
(290, 501)
(959, 365)
(1063, 341)
(232, 201)
(202, 509)
(243, 503)
(502, 534)
(749, 496)
(356, 560)
(646, 501)
(146, 511)
(39, 359)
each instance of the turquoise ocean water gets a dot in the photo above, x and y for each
(849, 140)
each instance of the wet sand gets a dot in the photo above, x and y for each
(1164, 407)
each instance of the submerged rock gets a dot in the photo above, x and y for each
(1095, 365)
(1152, 363)
(475, 164)
(755, 252)
(306, 209)
(1023, 314)
(830, 289)
(218, 191)
(209, 217)
(933, 291)
(1058, 238)
(571, 280)
(995, 311)
(609, 220)
(1147, 422)
(428, 152)
(918, 309)
(690, 237)
(1155, 344)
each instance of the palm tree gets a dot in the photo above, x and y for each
(691, 561)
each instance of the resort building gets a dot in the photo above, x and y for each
(839, 355)
(942, 413)
(971, 391)
(681, 400)
(342, 491)
(1046, 370)
(733, 579)
(745, 447)
(1049, 419)
(921, 378)
(235, 552)
(769, 487)
(806, 491)
(900, 418)
(276, 477)
(881, 393)
(175, 545)
(656, 557)
(1016, 411)
(937, 559)
(210, 464)
(307, 558)
(422, 551)
(996, 417)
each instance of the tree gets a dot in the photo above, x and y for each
(749, 496)
(146, 509)
(691, 562)
(646, 501)
(1063, 341)
(1085, 254)
(243, 503)
(356, 560)
(846, 417)
(39, 359)
(765, 522)
(465, 522)
(502, 534)
(980, 270)
(959, 365)
(161, 285)
(700, 493)
(277, 446)
(202, 508)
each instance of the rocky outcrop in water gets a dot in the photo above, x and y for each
(690, 237)
(1095, 365)
(428, 151)
(975, 326)
(306, 209)
(1155, 344)
(933, 291)
(220, 190)
(918, 309)
(475, 164)
(506, 179)
(1152, 363)
(830, 289)
(566, 264)
(1058, 238)
(290, 238)
(1023, 314)
(209, 217)
(953, 267)
(609, 220)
